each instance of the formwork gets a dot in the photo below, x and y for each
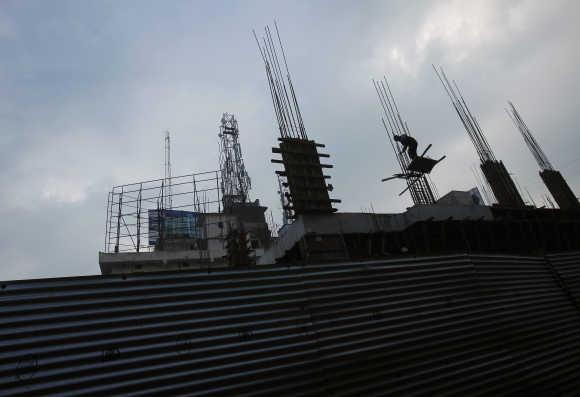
(502, 185)
(308, 191)
(560, 190)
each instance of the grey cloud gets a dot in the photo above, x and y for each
(87, 90)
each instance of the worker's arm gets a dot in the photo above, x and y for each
(404, 147)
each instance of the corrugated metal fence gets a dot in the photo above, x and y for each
(448, 325)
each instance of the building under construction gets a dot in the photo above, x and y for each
(190, 221)
(451, 297)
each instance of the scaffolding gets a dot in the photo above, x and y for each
(419, 184)
(139, 218)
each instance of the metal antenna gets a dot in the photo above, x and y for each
(235, 181)
(167, 195)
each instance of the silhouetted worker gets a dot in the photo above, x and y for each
(409, 144)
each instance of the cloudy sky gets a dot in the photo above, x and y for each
(88, 87)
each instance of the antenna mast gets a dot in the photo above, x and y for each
(236, 183)
(168, 196)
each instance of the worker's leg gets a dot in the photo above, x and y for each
(412, 151)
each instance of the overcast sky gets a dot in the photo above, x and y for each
(88, 87)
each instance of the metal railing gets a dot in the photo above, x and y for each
(138, 219)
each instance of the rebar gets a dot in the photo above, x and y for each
(419, 186)
(283, 95)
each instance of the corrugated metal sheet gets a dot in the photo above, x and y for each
(448, 325)
(567, 271)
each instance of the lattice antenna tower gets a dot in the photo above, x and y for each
(236, 183)
(167, 194)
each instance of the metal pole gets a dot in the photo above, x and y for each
(139, 219)
(119, 220)
(217, 184)
(106, 248)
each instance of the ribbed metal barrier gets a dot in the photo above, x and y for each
(448, 325)
(536, 323)
(567, 268)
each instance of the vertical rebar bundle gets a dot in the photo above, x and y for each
(469, 121)
(502, 185)
(419, 186)
(303, 172)
(235, 182)
(483, 185)
(286, 107)
(533, 145)
(552, 178)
